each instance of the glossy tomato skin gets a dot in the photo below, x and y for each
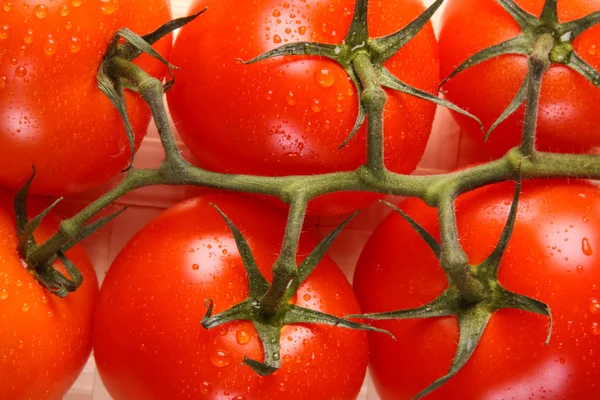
(44, 340)
(553, 256)
(567, 118)
(52, 115)
(288, 115)
(149, 343)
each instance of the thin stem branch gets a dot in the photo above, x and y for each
(539, 62)
(285, 268)
(453, 258)
(373, 98)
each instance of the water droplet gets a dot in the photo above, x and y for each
(75, 3)
(195, 267)
(28, 36)
(239, 398)
(68, 25)
(306, 297)
(50, 47)
(242, 337)
(594, 306)
(316, 105)
(276, 13)
(205, 387)
(19, 283)
(3, 294)
(331, 8)
(108, 6)
(75, 45)
(594, 288)
(4, 32)
(350, 92)
(25, 307)
(41, 11)
(7, 6)
(562, 360)
(291, 100)
(3, 81)
(586, 247)
(64, 10)
(276, 39)
(21, 72)
(302, 30)
(325, 77)
(595, 329)
(580, 268)
(268, 94)
(220, 358)
(339, 108)
(282, 387)
(287, 358)
(288, 30)
(592, 50)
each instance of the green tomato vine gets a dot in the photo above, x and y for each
(474, 292)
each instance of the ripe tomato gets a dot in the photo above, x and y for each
(149, 343)
(52, 115)
(567, 118)
(44, 340)
(288, 115)
(553, 256)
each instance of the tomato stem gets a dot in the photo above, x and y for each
(374, 98)
(538, 62)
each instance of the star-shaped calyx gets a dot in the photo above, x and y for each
(41, 265)
(378, 50)
(473, 316)
(268, 324)
(534, 31)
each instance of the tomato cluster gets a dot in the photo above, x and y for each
(287, 116)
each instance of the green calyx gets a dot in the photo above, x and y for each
(359, 48)
(545, 38)
(267, 317)
(473, 315)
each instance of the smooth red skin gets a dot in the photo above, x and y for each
(45, 341)
(149, 343)
(568, 116)
(236, 118)
(55, 117)
(511, 362)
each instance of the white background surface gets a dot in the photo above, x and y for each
(443, 154)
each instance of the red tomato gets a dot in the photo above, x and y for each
(52, 115)
(288, 115)
(568, 118)
(44, 340)
(553, 256)
(149, 343)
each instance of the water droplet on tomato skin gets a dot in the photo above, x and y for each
(276, 13)
(594, 306)
(28, 36)
(562, 360)
(325, 77)
(316, 105)
(41, 11)
(242, 337)
(306, 297)
(205, 387)
(586, 247)
(25, 307)
(595, 329)
(302, 30)
(50, 47)
(75, 45)
(3, 82)
(290, 98)
(4, 30)
(3, 294)
(220, 358)
(108, 6)
(276, 39)
(20, 72)
(76, 3)
(580, 268)
(195, 267)
(7, 6)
